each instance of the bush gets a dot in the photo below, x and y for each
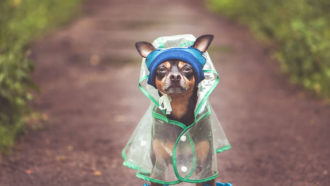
(21, 21)
(299, 29)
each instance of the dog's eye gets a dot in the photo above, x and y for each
(187, 69)
(162, 69)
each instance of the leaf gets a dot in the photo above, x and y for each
(28, 171)
(69, 148)
(97, 173)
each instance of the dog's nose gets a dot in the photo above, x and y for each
(175, 77)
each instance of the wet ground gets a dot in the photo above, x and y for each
(88, 73)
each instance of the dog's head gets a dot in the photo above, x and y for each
(175, 76)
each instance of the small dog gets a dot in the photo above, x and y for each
(178, 80)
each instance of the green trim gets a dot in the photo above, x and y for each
(212, 71)
(174, 153)
(160, 42)
(192, 144)
(209, 92)
(205, 114)
(146, 178)
(132, 166)
(187, 44)
(145, 92)
(164, 118)
(123, 155)
(177, 141)
(135, 167)
(129, 165)
(227, 147)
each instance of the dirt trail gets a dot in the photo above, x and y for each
(88, 74)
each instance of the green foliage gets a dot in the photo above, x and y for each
(20, 21)
(300, 30)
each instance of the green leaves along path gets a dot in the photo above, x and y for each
(20, 22)
(299, 30)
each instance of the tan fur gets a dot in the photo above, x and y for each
(181, 64)
(162, 149)
(160, 83)
(202, 150)
(190, 83)
(167, 64)
(179, 104)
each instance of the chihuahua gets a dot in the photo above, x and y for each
(177, 79)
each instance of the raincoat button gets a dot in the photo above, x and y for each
(183, 138)
(143, 143)
(184, 169)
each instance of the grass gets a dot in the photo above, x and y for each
(20, 22)
(299, 30)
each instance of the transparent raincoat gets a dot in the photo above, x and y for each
(183, 144)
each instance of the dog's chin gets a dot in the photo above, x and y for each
(175, 90)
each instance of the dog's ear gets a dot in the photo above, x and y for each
(203, 42)
(144, 48)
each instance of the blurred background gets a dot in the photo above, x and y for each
(69, 98)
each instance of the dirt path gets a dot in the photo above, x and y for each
(88, 74)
